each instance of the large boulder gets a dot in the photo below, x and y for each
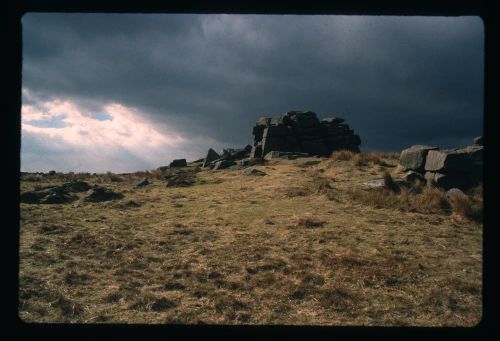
(413, 158)
(478, 141)
(211, 156)
(178, 163)
(466, 160)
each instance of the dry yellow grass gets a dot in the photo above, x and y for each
(236, 249)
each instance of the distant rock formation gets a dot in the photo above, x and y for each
(302, 132)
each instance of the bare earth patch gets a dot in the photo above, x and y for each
(306, 244)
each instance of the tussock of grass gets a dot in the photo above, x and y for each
(339, 297)
(342, 155)
(296, 191)
(323, 185)
(431, 200)
(364, 159)
(464, 207)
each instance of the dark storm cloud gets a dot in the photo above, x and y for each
(397, 80)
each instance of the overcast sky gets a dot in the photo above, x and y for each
(127, 92)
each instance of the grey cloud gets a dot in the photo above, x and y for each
(396, 80)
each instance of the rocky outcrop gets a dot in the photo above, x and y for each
(301, 131)
(450, 168)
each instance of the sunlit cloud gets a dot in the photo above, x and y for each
(116, 138)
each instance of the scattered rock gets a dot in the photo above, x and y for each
(163, 168)
(250, 171)
(380, 183)
(222, 164)
(211, 156)
(377, 183)
(57, 198)
(48, 195)
(178, 163)
(98, 194)
(413, 158)
(235, 154)
(142, 182)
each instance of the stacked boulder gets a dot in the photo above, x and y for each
(450, 168)
(302, 132)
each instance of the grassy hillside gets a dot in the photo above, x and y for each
(306, 244)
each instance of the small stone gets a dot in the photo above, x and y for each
(250, 171)
(142, 182)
